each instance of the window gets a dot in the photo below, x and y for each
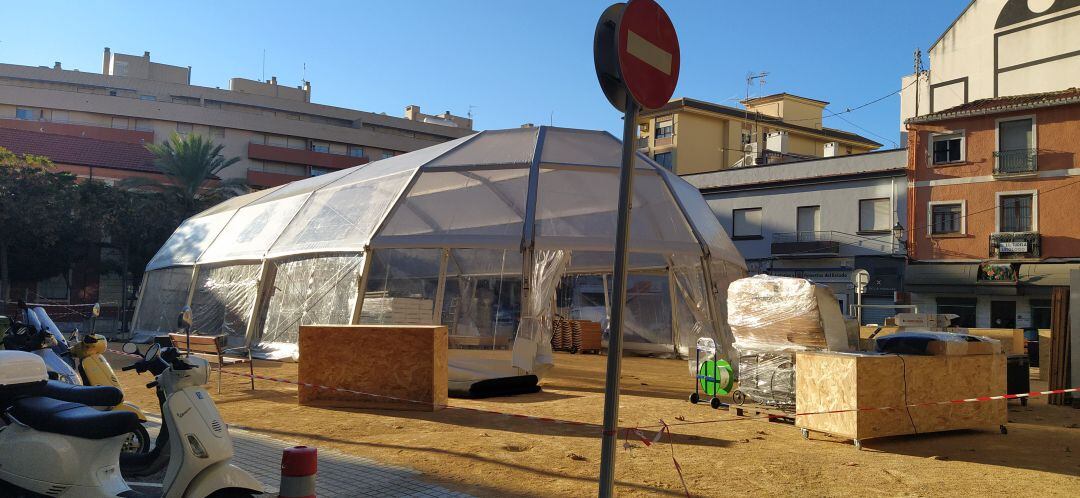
(963, 307)
(217, 132)
(387, 154)
(875, 215)
(120, 123)
(1016, 135)
(1015, 213)
(1040, 314)
(183, 128)
(60, 116)
(320, 147)
(808, 222)
(151, 98)
(663, 159)
(25, 113)
(319, 171)
(746, 223)
(946, 218)
(356, 151)
(53, 288)
(666, 128)
(948, 148)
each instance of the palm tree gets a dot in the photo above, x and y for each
(190, 164)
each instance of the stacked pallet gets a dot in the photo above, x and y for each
(396, 310)
(574, 336)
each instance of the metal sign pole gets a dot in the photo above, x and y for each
(614, 363)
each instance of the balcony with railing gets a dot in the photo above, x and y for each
(1015, 245)
(830, 243)
(1016, 162)
(643, 143)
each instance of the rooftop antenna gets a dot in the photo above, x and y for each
(551, 119)
(263, 77)
(469, 112)
(304, 78)
(750, 77)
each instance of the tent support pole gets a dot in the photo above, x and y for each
(361, 287)
(440, 288)
(711, 292)
(138, 304)
(191, 287)
(675, 338)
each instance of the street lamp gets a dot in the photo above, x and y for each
(898, 235)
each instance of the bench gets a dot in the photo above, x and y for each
(213, 348)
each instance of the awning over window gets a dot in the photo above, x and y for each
(941, 274)
(1046, 274)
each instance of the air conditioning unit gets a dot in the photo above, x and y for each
(777, 141)
(750, 154)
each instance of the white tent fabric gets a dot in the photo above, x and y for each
(446, 234)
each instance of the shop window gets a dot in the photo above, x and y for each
(874, 215)
(963, 307)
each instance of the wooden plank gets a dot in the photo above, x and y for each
(406, 362)
(1045, 339)
(1059, 344)
(838, 381)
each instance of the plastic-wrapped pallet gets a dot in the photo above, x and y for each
(768, 313)
(768, 377)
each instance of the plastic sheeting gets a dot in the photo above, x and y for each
(312, 290)
(223, 301)
(164, 295)
(770, 313)
(532, 345)
(768, 378)
(691, 306)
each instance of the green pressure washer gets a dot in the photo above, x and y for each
(714, 377)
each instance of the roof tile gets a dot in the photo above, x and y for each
(80, 151)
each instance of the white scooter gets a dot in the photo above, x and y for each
(64, 448)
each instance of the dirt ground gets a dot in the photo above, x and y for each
(495, 455)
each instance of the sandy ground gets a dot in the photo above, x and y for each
(494, 455)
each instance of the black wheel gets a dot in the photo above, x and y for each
(137, 442)
(1003, 429)
(694, 398)
(715, 403)
(805, 433)
(738, 397)
(233, 493)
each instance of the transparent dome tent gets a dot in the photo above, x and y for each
(492, 235)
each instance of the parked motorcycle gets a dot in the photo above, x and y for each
(61, 447)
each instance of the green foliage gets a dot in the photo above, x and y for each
(191, 164)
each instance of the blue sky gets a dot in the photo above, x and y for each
(512, 61)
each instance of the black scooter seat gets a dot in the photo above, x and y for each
(72, 419)
(86, 395)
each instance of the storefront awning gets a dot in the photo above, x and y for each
(1046, 274)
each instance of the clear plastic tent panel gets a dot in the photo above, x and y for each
(692, 317)
(164, 295)
(498, 147)
(604, 261)
(583, 147)
(401, 286)
(223, 300)
(482, 208)
(704, 220)
(311, 290)
(252, 230)
(532, 344)
(340, 218)
(577, 209)
(482, 298)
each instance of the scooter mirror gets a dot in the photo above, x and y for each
(130, 348)
(184, 320)
(96, 310)
(152, 352)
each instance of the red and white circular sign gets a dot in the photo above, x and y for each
(648, 53)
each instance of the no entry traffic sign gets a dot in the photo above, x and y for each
(648, 53)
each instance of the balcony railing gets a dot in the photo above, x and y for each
(1015, 162)
(1015, 245)
(643, 143)
(805, 243)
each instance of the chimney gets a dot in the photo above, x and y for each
(146, 55)
(56, 65)
(412, 112)
(273, 80)
(307, 91)
(105, 61)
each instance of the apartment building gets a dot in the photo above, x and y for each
(276, 130)
(997, 48)
(693, 136)
(819, 219)
(994, 194)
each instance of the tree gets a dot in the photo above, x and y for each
(35, 205)
(190, 164)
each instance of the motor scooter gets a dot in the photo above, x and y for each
(64, 448)
(31, 338)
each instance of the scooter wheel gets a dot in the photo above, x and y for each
(137, 442)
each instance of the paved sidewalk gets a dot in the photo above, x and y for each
(340, 474)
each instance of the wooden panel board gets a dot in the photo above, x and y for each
(838, 381)
(1011, 339)
(1059, 344)
(1044, 353)
(399, 361)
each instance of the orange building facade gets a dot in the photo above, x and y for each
(994, 204)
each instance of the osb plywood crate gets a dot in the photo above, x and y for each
(404, 366)
(828, 381)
